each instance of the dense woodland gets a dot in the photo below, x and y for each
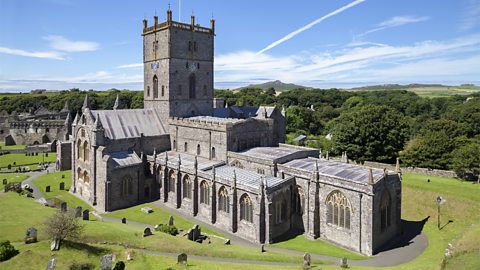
(437, 133)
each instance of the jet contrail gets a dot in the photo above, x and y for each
(310, 25)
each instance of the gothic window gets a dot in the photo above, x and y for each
(204, 193)
(148, 91)
(127, 186)
(338, 210)
(198, 65)
(179, 89)
(86, 151)
(163, 90)
(185, 147)
(237, 164)
(204, 90)
(79, 150)
(159, 174)
(198, 149)
(385, 211)
(79, 174)
(223, 201)
(86, 178)
(191, 86)
(187, 187)
(155, 86)
(189, 46)
(171, 181)
(214, 155)
(246, 208)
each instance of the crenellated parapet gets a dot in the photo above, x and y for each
(170, 23)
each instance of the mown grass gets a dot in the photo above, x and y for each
(6, 147)
(12, 177)
(53, 180)
(20, 160)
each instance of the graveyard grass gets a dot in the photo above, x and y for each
(25, 161)
(12, 178)
(53, 180)
(7, 147)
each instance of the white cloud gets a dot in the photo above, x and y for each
(136, 65)
(37, 54)
(310, 25)
(394, 22)
(61, 43)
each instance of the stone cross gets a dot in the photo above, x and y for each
(51, 264)
(182, 258)
(147, 232)
(63, 207)
(307, 261)
(31, 236)
(47, 189)
(106, 262)
(124, 220)
(170, 221)
(78, 211)
(86, 214)
(62, 185)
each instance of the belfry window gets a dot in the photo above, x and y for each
(155, 86)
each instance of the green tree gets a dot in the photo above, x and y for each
(466, 161)
(373, 133)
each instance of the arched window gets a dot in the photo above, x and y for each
(204, 193)
(155, 86)
(79, 174)
(246, 208)
(127, 186)
(185, 147)
(223, 201)
(163, 90)
(171, 181)
(385, 208)
(79, 150)
(198, 149)
(187, 187)
(214, 155)
(86, 151)
(338, 210)
(148, 91)
(86, 177)
(192, 86)
(159, 174)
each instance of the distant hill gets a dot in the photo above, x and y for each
(277, 85)
(425, 90)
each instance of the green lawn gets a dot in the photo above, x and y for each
(24, 161)
(12, 177)
(6, 147)
(53, 180)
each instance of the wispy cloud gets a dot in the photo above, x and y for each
(136, 65)
(310, 25)
(37, 54)
(61, 43)
(471, 19)
(394, 22)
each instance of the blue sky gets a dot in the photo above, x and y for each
(59, 44)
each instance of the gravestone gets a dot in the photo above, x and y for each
(227, 242)
(31, 236)
(47, 189)
(147, 232)
(86, 214)
(129, 255)
(262, 248)
(51, 264)
(78, 211)
(170, 221)
(63, 176)
(119, 266)
(5, 181)
(62, 185)
(124, 220)
(55, 245)
(182, 258)
(46, 154)
(106, 262)
(63, 207)
(344, 263)
(307, 261)
(147, 210)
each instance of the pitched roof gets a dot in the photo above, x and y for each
(124, 159)
(122, 124)
(245, 177)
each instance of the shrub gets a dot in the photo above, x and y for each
(7, 251)
(119, 266)
(172, 230)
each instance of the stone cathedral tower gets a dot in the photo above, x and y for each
(178, 68)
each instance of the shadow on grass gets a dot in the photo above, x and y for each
(409, 230)
(92, 250)
(287, 236)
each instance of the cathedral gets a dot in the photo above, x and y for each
(233, 170)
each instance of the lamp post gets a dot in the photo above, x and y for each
(440, 201)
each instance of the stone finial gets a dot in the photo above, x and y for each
(65, 107)
(68, 119)
(77, 118)
(346, 157)
(213, 172)
(397, 166)
(327, 157)
(98, 123)
(265, 112)
(370, 176)
(117, 103)
(166, 159)
(265, 183)
(154, 154)
(86, 103)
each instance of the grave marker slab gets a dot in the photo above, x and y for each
(307, 261)
(86, 214)
(31, 236)
(47, 189)
(63, 207)
(182, 258)
(51, 264)
(124, 220)
(147, 232)
(147, 210)
(62, 186)
(106, 262)
(78, 211)
(170, 221)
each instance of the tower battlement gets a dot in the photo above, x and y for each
(171, 23)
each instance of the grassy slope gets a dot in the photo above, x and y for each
(21, 160)
(12, 177)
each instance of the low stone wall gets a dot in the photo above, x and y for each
(425, 171)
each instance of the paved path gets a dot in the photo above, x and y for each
(32, 175)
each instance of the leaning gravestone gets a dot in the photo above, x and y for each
(31, 236)
(182, 258)
(47, 189)
(307, 261)
(63, 207)
(78, 211)
(147, 232)
(51, 264)
(196, 232)
(124, 220)
(106, 262)
(86, 214)
(55, 245)
(62, 186)
(170, 221)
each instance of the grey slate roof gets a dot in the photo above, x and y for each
(348, 172)
(124, 159)
(215, 119)
(269, 153)
(121, 124)
(187, 160)
(245, 177)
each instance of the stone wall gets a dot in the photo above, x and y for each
(64, 156)
(425, 171)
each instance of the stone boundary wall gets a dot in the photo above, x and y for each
(425, 171)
